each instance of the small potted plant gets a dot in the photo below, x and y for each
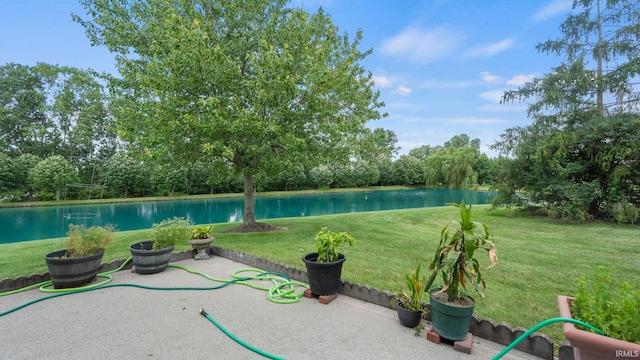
(454, 259)
(409, 302)
(79, 262)
(324, 267)
(153, 256)
(201, 240)
(610, 304)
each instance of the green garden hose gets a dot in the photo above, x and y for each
(282, 291)
(538, 326)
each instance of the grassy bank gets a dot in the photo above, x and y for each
(539, 258)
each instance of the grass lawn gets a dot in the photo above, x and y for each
(539, 258)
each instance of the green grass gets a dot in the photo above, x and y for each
(539, 258)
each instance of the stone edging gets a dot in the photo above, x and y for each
(537, 344)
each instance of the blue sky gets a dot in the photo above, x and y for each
(441, 65)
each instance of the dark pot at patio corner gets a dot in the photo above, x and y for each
(75, 271)
(409, 317)
(324, 277)
(146, 260)
(451, 322)
(591, 346)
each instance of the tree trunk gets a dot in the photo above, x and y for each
(249, 206)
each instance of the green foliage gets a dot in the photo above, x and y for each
(124, 175)
(257, 84)
(624, 213)
(412, 297)
(452, 167)
(328, 243)
(170, 231)
(83, 241)
(52, 175)
(454, 257)
(321, 176)
(610, 303)
(201, 232)
(407, 170)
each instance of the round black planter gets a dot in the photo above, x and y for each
(149, 261)
(408, 317)
(74, 271)
(324, 278)
(450, 322)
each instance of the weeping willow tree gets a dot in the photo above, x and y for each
(452, 167)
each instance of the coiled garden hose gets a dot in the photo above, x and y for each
(282, 291)
(538, 326)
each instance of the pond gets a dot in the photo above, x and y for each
(33, 223)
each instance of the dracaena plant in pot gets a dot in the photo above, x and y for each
(456, 263)
(409, 303)
(324, 267)
(153, 256)
(79, 262)
(611, 304)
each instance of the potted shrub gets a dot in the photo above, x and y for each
(153, 256)
(610, 304)
(409, 302)
(454, 259)
(79, 262)
(201, 240)
(324, 267)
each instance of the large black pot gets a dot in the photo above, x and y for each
(450, 322)
(324, 278)
(146, 260)
(73, 271)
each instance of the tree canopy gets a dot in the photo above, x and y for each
(255, 83)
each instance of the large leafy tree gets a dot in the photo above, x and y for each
(53, 174)
(256, 83)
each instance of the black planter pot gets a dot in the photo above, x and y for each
(75, 271)
(149, 261)
(450, 322)
(324, 278)
(408, 317)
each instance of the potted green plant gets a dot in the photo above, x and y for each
(324, 267)
(79, 262)
(610, 304)
(409, 302)
(454, 259)
(153, 256)
(201, 240)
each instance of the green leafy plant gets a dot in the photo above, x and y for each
(609, 303)
(169, 231)
(83, 241)
(454, 256)
(412, 298)
(328, 243)
(200, 232)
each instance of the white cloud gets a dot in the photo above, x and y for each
(492, 95)
(421, 46)
(503, 108)
(520, 80)
(382, 81)
(490, 78)
(491, 49)
(402, 90)
(554, 8)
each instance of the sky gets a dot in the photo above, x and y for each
(441, 66)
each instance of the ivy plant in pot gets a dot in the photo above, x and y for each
(454, 259)
(200, 240)
(79, 262)
(153, 256)
(610, 304)
(409, 302)
(324, 267)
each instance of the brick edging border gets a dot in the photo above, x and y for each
(538, 344)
